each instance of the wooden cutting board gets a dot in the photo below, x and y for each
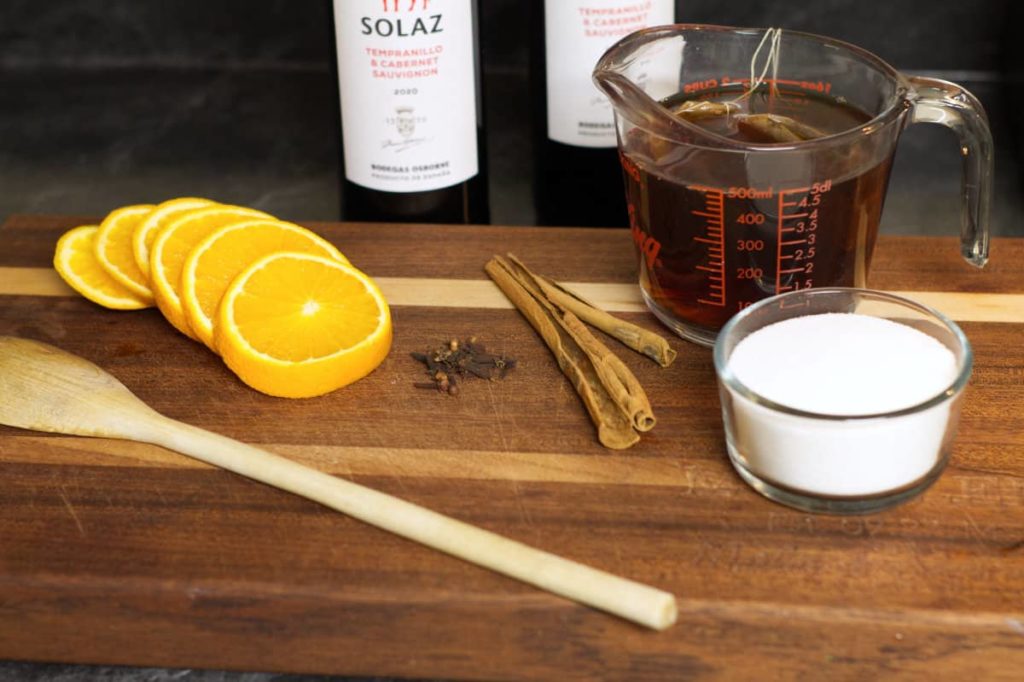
(121, 553)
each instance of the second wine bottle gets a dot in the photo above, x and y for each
(577, 177)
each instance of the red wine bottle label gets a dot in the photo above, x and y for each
(408, 92)
(576, 34)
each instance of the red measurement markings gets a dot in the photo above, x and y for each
(792, 243)
(714, 239)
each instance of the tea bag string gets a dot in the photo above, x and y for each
(773, 38)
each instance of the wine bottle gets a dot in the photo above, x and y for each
(411, 111)
(577, 176)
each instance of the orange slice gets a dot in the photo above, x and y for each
(171, 247)
(296, 325)
(75, 261)
(163, 214)
(113, 246)
(217, 260)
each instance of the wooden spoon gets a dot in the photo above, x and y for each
(46, 389)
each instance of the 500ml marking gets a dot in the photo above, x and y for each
(796, 225)
(749, 193)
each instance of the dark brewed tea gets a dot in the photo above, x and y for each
(717, 230)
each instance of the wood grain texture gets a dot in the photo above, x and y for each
(617, 297)
(114, 552)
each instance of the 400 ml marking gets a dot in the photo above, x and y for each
(796, 223)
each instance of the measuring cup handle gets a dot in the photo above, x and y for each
(945, 103)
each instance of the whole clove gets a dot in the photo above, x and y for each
(450, 363)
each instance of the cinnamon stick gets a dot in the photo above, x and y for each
(620, 382)
(614, 427)
(633, 336)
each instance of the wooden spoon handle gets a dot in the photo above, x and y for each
(625, 598)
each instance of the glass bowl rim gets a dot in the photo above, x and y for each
(727, 378)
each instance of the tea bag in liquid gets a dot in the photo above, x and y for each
(749, 115)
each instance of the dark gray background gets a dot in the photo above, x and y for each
(110, 102)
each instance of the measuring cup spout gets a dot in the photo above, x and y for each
(633, 103)
(643, 64)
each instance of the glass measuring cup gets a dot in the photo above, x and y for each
(720, 223)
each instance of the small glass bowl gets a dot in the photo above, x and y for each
(839, 464)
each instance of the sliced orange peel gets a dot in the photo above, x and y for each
(171, 247)
(216, 260)
(298, 325)
(285, 309)
(75, 261)
(161, 216)
(113, 246)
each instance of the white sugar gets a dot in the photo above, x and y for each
(842, 365)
